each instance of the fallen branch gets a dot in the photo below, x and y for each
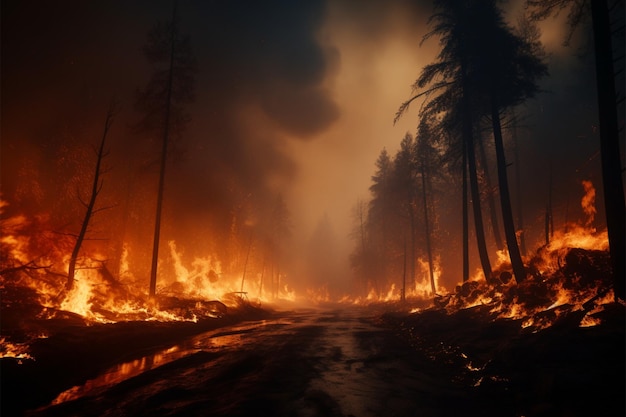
(24, 267)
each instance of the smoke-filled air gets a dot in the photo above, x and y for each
(290, 152)
(312, 208)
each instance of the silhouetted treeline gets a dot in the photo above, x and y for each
(484, 71)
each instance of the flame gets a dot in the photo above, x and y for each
(590, 321)
(14, 350)
(79, 299)
(191, 288)
(571, 273)
(37, 260)
(419, 289)
(588, 202)
(201, 278)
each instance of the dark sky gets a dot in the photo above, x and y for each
(296, 97)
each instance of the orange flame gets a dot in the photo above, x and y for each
(588, 202)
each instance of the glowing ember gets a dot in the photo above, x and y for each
(590, 321)
(14, 350)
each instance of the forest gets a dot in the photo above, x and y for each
(313, 208)
(106, 204)
(474, 100)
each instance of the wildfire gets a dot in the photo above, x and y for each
(569, 274)
(33, 280)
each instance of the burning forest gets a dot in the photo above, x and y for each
(183, 227)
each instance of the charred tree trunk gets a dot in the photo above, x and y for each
(549, 222)
(90, 206)
(468, 139)
(403, 290)
(427, 231)
(412, 251)
(465, 204)
(261, 280)
(166, 138)
(493, 216)
(245, 265)
(609, 144)
(477, 210)
(505, 200)
(518, 193)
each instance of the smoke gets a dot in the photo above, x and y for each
(293, 99)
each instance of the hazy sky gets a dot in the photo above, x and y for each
(291, 96)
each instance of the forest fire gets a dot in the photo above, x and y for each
(285, 208)
(35, 297)
(571, 273)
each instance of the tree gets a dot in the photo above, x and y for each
(508, 75)
(425, 153)
(405, 189)
(612, 181)
(161, 103)
(488, 69)
(279, 232)
(489, 195)
(362, 257)
(449, 77)
(90, 206)
(379, 215)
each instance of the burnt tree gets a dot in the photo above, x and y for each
(90, 206)
(161, 104)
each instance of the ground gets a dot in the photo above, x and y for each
(379, 360)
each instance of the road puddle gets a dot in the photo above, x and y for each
(232, 337)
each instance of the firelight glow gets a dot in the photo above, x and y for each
(282, 142)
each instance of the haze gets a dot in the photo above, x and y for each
(292, 100)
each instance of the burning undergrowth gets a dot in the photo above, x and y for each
(581, 283)
(37, 302)
(552, 344)
(34, 306)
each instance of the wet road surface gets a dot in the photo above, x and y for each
(302, 363)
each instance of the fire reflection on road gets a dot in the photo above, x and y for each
(335, 362)
(220, 340)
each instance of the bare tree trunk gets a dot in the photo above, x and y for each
(261, 280)
(518, 192)
(490, 201)
(609, 144)
(245, 265)
(90, 206)
(166, 138)
(468, 137)
(412, 251)
(465, 204)
(403, 291)
(505, 200)
(477, 210)
(427, 231)
(549, 222)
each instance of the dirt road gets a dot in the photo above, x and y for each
(303, 363)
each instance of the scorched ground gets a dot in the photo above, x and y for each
(335, 361)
